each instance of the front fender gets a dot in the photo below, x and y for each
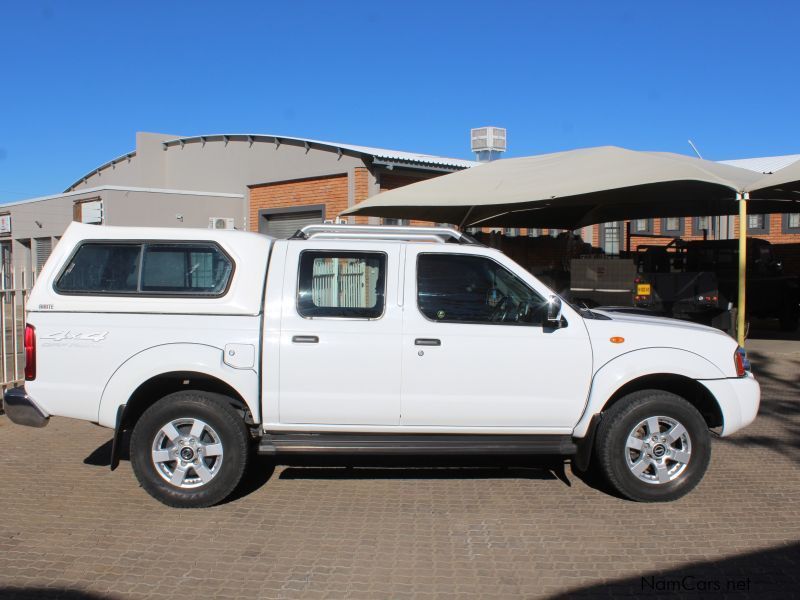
(169, 358)
(638, 363)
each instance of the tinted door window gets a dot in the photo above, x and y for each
(472, 289)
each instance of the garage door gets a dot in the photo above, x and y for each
(284, 225)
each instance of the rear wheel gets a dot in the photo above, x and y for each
(190, 449)
(653, 446)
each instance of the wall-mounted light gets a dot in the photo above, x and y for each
(179, 217)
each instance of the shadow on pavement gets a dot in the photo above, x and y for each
(33, 593)
(772, 370)
(101, 456)
(352, 467)
(426, 467)
(772, 573)
(780, 406)
(259, 472)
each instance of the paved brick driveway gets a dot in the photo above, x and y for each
(70, 528)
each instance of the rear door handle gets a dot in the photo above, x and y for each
(427, 342)
(305, 339)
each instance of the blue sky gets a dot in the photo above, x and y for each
(78, 79)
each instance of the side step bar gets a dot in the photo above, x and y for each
(409, 444)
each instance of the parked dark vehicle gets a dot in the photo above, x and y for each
(698, 280)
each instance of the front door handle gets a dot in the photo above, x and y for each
(427, 342)
(305, 339)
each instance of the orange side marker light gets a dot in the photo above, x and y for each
(617, 340)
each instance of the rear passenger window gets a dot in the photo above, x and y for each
(147, 269)
(103, 268)
(341, 284)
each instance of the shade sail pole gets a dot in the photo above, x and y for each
(740, 312)
(466, 216)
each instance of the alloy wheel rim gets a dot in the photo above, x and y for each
(658, 450)
(187, 453)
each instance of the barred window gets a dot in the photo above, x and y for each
(341, 284)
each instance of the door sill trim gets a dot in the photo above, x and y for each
(410, 444)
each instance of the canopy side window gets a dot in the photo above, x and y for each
(146, 269)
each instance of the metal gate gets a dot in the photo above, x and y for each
(12, 327)
(340, 282)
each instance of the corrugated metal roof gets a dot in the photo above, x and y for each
(765, 164)
(401, 155)
(380, 153)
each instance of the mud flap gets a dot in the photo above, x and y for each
(119, 431)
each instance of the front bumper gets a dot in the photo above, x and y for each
(22, 409)
(738, 398)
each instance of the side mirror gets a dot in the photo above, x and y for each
(553, 310)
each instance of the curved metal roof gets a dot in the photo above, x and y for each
(127, 156)
(384, 156)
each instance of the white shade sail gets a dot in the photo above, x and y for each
(568, 190)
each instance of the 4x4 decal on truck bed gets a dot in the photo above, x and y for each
(70, 336)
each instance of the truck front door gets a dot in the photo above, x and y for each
(340, 335)
(476, 351)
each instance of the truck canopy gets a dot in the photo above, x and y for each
(153, 270)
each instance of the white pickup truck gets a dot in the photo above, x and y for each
(206, 346)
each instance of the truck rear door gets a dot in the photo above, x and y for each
(340, 334)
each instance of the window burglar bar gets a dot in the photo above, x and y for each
(340, 283)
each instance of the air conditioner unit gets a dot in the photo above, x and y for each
(221, 223)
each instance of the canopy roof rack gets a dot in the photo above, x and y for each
(385, 232)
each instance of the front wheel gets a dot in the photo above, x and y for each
(653, 446)
(190, 449)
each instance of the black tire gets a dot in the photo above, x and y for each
(612, 451)
(225, 426)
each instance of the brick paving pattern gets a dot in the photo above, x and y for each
(70, 528)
